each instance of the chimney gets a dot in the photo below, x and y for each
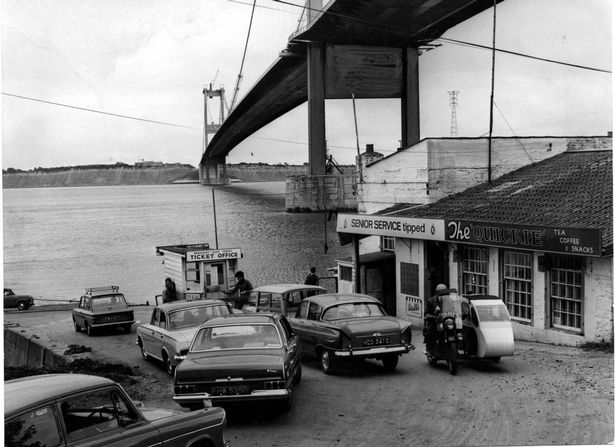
(369, 148)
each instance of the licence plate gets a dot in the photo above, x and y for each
(376, 341)
(114, 318)
(230, 390)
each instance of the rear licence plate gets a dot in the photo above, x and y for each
(376, 341)
(113, 318)
(230, 390)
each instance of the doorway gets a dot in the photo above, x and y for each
(436, 266)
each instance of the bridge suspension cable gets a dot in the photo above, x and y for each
(243, 59)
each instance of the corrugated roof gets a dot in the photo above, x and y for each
(572, 189)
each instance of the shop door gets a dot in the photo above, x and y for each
(436, 266)
(380, 283)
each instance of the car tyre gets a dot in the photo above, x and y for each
(142, 346)
(298, 375)
(326, 362)
(168, 363)
(88, 329)
(22, 305)
(390, 361)
(76, 325)
(496, 359)
(287, 403)
(127, 328)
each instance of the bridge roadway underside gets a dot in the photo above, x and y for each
(365, 48)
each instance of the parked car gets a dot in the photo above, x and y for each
(347, 326)
(168, 334)
(487, 329)
(240, 357)
(280, 298)
(80, 410)
(102, 307)
(21, 302)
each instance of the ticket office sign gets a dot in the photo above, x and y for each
(571, 241)
(213, 255)
(403, 227)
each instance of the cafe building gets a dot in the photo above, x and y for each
(539, 237)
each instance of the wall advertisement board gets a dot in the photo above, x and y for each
(405, 227)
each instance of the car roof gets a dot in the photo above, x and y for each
(20, 394)
(329, 299)
(243, 318)
(183, 304)
(282, 288)
(482, 297)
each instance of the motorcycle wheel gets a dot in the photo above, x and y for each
(451, 358)
(431, 359)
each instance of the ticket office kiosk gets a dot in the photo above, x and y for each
(198, 271)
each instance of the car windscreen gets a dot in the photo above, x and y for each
(194, 316)
(492, 312)
(244, 336)
(353, 310)
(103, 303)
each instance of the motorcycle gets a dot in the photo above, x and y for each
(444, 335)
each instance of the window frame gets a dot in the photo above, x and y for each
(566, 270)
(467, 272)
(514, 308)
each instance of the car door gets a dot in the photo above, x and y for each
(79, 312)
(105, 417)
(9, 298)
(149, 334)
(292, 357)
(307, 327)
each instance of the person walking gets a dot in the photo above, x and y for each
(242, 287)
(312, 278)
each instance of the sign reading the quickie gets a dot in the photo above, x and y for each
(572, 241)
(431, 229)
(213, 255)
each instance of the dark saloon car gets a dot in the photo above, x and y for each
(82, 410)
(169, 332)
(21, 302)
(240, 357)
(346, 326)
(102, 307)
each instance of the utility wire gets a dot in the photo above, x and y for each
(445, 39)
(96, 111)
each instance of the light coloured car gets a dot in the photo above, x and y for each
(283, 299)
(169, 332)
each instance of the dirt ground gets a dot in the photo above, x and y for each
(543, 395)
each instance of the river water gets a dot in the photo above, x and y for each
(58, 241)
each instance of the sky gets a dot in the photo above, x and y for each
(150, 59)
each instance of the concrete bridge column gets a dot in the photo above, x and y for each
(316, 109)
(410, 123)
(213, 172)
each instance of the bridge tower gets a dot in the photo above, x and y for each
(214, 171)
(453, 102)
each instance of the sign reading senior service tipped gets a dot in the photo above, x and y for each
(431, 229)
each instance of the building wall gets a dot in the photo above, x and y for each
(435, 168)
(320, 192)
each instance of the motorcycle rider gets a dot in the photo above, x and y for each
(432, 307)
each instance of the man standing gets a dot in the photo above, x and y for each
(243, 287)
(312, 279)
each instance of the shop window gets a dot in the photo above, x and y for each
(193, 273)
(409, 278)
(517, 284)
(567, 293)
(474, 274)
(345, 273)
(387, 243)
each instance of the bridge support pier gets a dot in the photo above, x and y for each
(213, 172)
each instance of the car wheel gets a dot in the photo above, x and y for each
(22, 305)
(390, 362)
(168, 363)
(326, 362)
(77, 328)
(143, 353)
(287, 403)
(127, 328)
(298, 375)
(495, 359)
(451, 359)
(88, 329)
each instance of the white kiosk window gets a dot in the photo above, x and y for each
(193, 272)
(215, 275)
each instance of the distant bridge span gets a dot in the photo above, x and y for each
(368, 48)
